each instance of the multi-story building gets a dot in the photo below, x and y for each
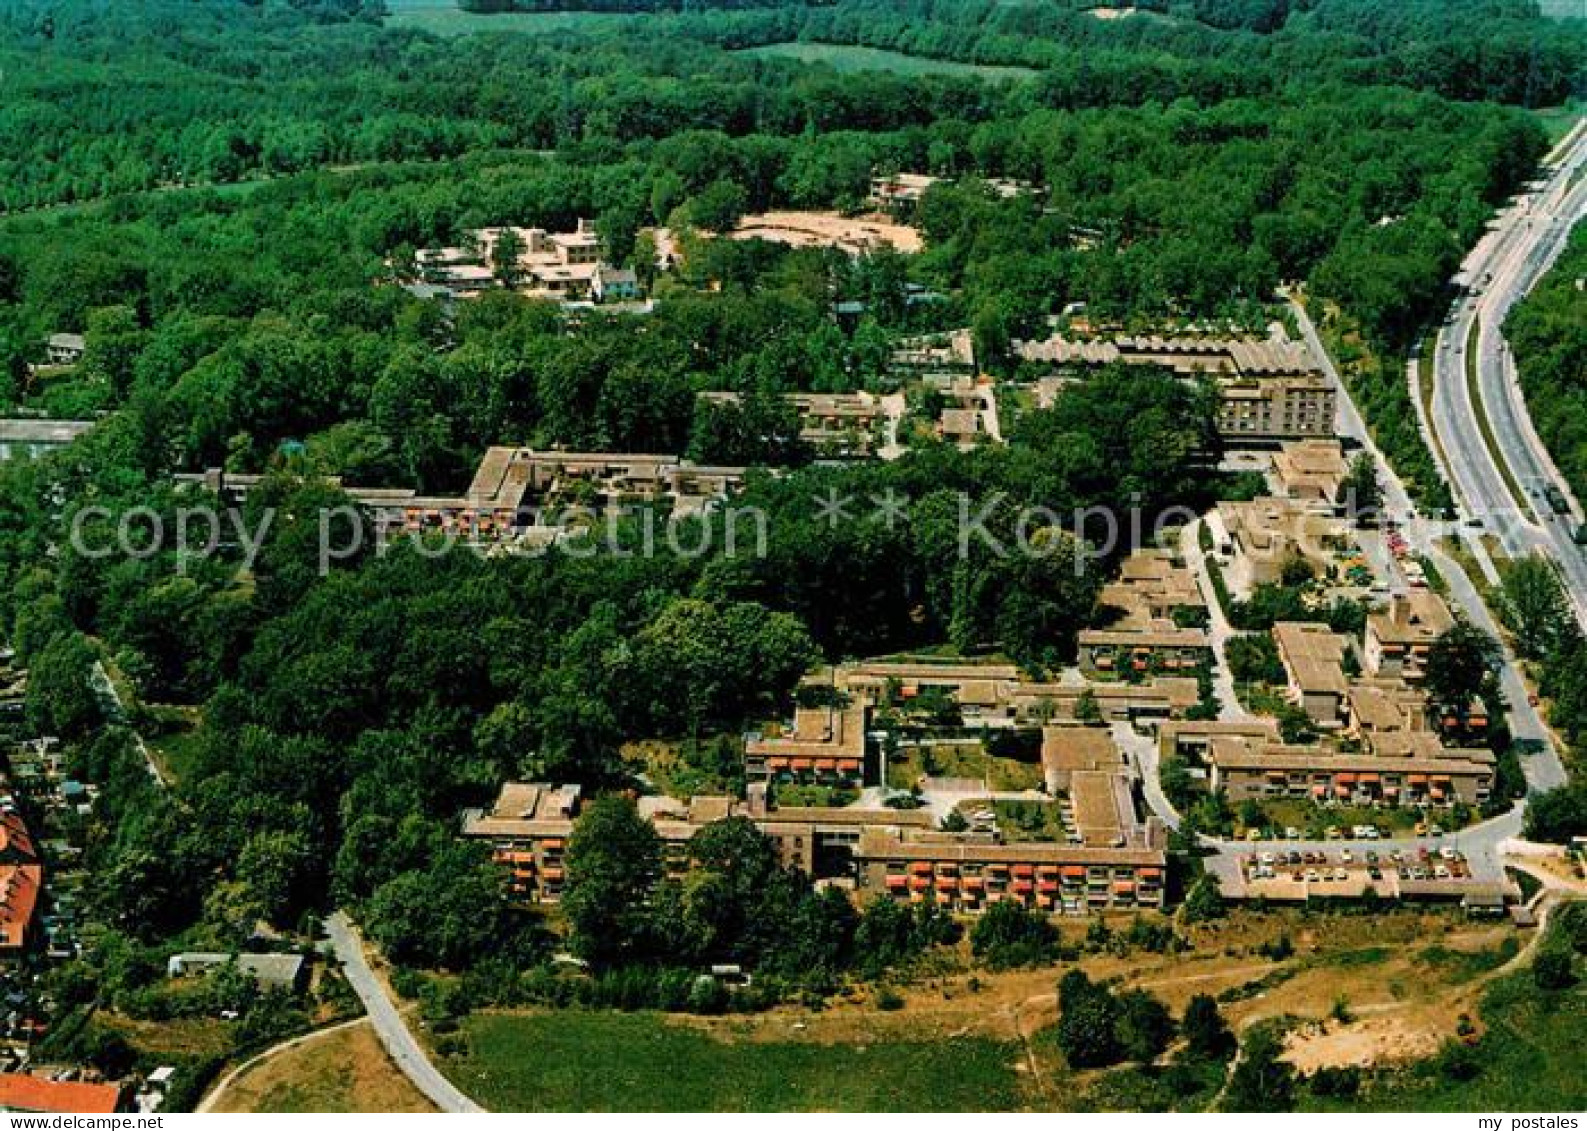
(899, 853)
(1419, 771)
(553, 265)
(825, 745)
(518, 490)
(1191, 739)
(64, 349)
(901, 192)
(1399, 637)
(1271, 389)
(836, 425)
(1265, 408)
(1262, 537)
(1140, 652)
(1153, 586)
(998, 695)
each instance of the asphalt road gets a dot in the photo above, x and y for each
(1543, 768)
(389, 1026)
(1506, 264)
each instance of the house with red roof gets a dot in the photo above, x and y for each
(21, 1092)
(21, 882)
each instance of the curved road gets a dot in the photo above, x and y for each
(393, 1032)
(1504, 488)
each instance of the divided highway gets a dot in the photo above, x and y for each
(1497, 465)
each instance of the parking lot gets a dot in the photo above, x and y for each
(1395, 870)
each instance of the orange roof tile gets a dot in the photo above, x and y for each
(34, 1093)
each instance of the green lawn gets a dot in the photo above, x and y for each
(578, 1061)
(962, 761)
(846, 59)
(443, 18)
(1313, 819)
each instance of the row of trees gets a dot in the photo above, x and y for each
(739, 903)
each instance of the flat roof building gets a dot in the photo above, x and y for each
(1264, 536)
(824, 744)
(899, 853)
(30, 437)
(1399, 637)
(1425, 774)
(1271, 388)
(1313, 472)
(1313, 656)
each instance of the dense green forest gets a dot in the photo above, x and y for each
(1548, 332)
(212, 192)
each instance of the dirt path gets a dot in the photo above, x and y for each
(217, 1093)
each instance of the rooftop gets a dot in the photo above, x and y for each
(1313, 655)
(1415, 617)
(20, 1092)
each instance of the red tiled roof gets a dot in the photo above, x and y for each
(16, 843)
(19, 899)
(21, 877)
(34, 1093)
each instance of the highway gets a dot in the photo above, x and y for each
(1506, 494)
(1543, 769)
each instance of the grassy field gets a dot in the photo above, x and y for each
(1530, 1059)
(443, 18)
(342, 1071)
(847, 59)
(572, 1061)
(1564, 9)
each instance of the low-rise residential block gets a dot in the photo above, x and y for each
(1312, 472)
(1399, 638)
(898, 853)
(1313, 656)
(1264, 537)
